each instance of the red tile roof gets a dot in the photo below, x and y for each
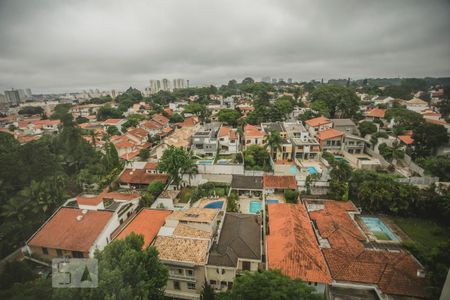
(113, 121)
(151, 166)
(151, 125)
(330, 133)
(227, 131)
(125, 144)
(139, 176)
(280, 182)
(318, 121)
(147, 222)
(376, 113)
(349, 261)
(253, 131)
(191, 121)
(160, 119)
(138, 132)
(121, 196)
(292, 246)
(64, 231)
(408, 140)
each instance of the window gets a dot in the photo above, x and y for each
(191, 285)
(190, 272)
(180, 271)
(77, 254)
(230, 285)
(176, 285)
(59, 253)
(45, 251)
(212, 282)
(246, 265)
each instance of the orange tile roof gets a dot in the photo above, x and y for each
(224, 131)
(330, 133)
(130, 155)
(139, 176)
(408, 140)
(125, 144)
(280, 182)
(318, 121)
(151, 166)
(292, 246)
(191, 121)
(112, 121)
(349, 261)
(160, 119)
(64, 231)
(138, 132)
(252, 131)
(147, 222)
(121, 196)
(376, 113)
(150, 125)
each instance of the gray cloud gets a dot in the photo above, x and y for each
(72, 45)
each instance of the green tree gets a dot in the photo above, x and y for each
(285, 105)
(232, 202)
(391, 153)
(144, 154)
(274, 141)
(113, 130)
(321, 107)
(176, 162)
(257, 158)
(229, 116)
(176, 118)
(81, 120)
(338, 99)
(248, 80)
(207, 292)
(398, 91)
(31, 110)
(200, 110)
(107, 112)
(291, 196)
(269, 285)
(155, 188)
(427, 138)
(444, 107)
(436, 166)
(367, 127)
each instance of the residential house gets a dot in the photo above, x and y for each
(318, 124)
(228, 140)
(160, 119)
(124, 145)
(253, 135)
(238, 248)
(139, 178)
(405, 140)
(247, 185)
(345, 125)
(147, 222)
(84, 110)
(417, 105)
(292, 247)
(375, 114)
(83, 225)
(152, 127)
(285, 151)
(138, 135)
(113, 122)
(354, 144)
(205, 141)
(303, 145)
(382, 100)
(183, 244)
(331, 140)
(356, 264)
(273, 184)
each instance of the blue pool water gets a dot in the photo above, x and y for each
(216, 204)
(205, 162)
(311, 170)
(293, 170)
(338, 158)
(376, 225)
(254, 206)
(271, 201)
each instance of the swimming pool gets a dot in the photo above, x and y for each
(311, 170)
(293, 170)
(205, 162)
(254, 207)
(215, 204)
(224, 161)
(379, 229)
(271, 201)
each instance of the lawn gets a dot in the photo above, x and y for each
(426, 233)
(185, 194)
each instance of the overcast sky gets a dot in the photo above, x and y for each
(57, 46)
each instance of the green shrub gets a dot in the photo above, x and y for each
(291, 196)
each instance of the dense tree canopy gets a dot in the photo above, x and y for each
(257, 158)
(367, 127)
(176, 162)
(31, 110)
(269, 285)
(428, 137)
(229, 116)
(340, 100)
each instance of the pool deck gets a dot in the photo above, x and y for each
(205, 201)
(370, 234)
(244, 203)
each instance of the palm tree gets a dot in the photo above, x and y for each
(274, 141)
(190, 169)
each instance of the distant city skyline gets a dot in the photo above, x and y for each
(329, 39)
